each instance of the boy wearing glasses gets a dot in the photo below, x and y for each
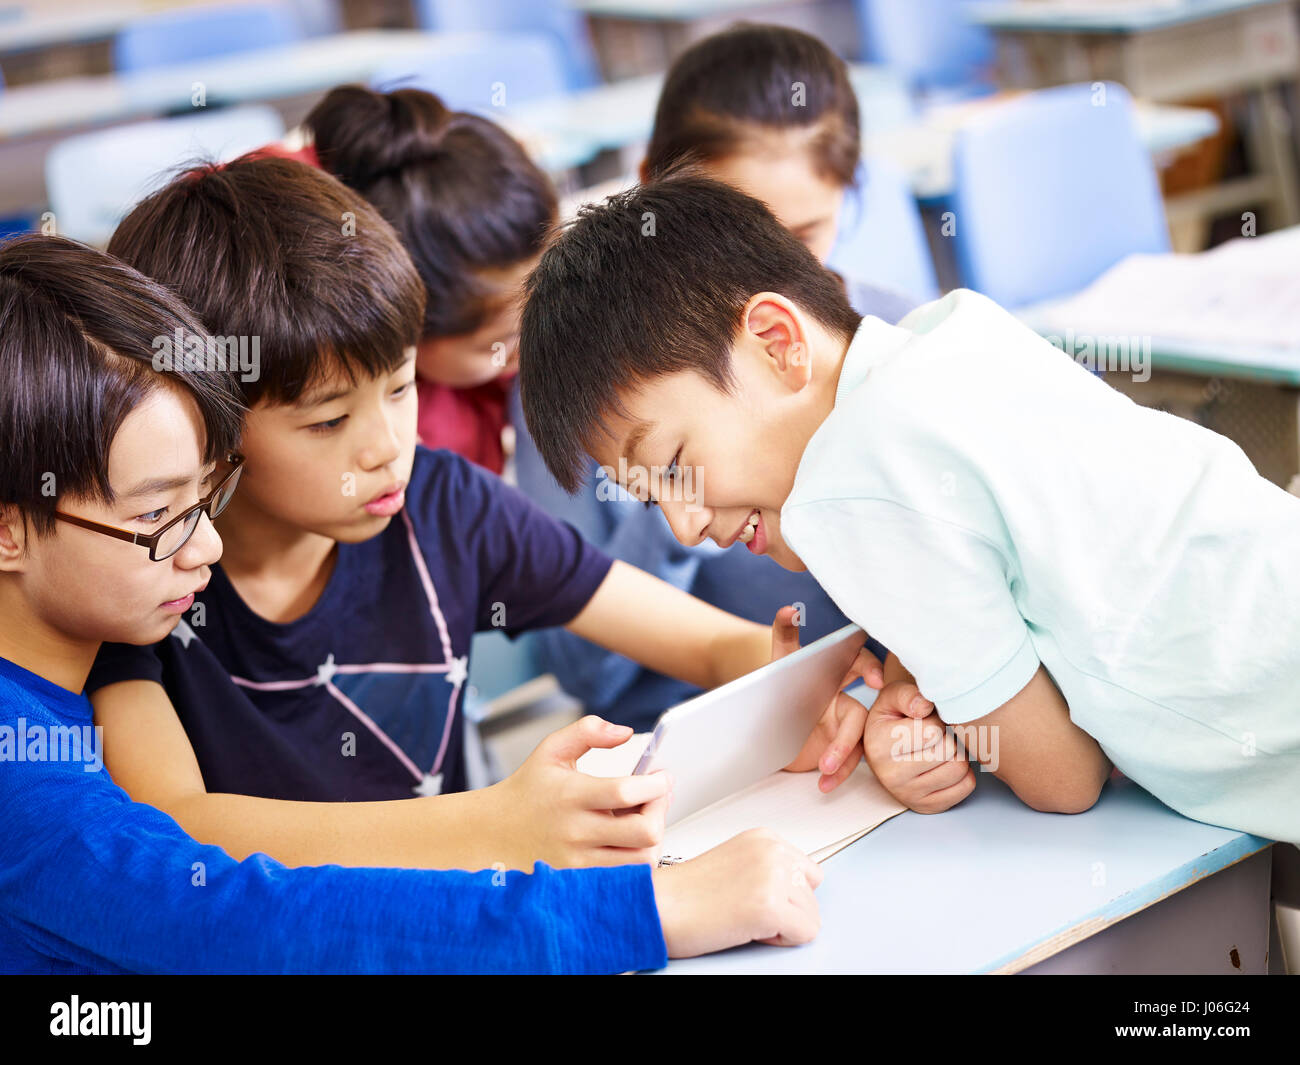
(170, 537)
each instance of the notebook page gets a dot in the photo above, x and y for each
(790, 804)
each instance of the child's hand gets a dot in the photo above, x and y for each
(557, 814)
(756, 886)
(913, 754)
(835, 745)
(785, 640)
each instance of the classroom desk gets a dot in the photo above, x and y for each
(24, 28)
(924, 149)
(1249, 392)
(635, 37)
(561, 133)
(265, 74)
(621, 114)
(1168, 53)
(671, 10)
(34, 117)
(992, 886)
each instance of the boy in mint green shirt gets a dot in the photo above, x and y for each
(1075, 580)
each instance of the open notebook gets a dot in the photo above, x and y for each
(790, 804)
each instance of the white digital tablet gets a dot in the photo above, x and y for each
(728, 738)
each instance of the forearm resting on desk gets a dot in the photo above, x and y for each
(1049, 762)
(149, 756)
(405, 833)
(528, 817)
(1029, 742)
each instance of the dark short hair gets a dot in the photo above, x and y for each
(277, 249)
(725, 87)
(460, 191)
(652, 282)
(78, 333)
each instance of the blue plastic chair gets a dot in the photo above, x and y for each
(1052, 189)
(15, 225)
(931, 42)
(565, 27)
(496, 704)
(488, 74)
(186, 34)
(881, 237)
(93, 179)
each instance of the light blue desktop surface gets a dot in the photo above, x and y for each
(1244, 362)
(973, 889)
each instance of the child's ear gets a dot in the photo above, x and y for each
(13, 540)
(773, 321)
(643, 171)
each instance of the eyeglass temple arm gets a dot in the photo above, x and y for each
(107, 530)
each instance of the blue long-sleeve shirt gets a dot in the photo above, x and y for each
(93, 882)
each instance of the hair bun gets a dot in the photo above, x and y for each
(363, 136)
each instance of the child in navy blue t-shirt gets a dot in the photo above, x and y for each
(362, 697)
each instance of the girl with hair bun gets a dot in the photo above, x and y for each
(473, 211)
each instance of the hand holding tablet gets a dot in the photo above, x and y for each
(732, 737)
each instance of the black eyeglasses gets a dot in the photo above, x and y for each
(176, 533)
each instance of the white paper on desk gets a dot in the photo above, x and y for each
(1245, 293)
(790, 804)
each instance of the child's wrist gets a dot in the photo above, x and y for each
(486, 820)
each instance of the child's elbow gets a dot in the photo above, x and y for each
(1080, 803)
(1073, 799)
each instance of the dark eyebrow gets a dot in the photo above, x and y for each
(155, 486)
(319, 399)
(634, 440)
(809, 224)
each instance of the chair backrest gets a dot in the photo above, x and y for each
(881, 237)
(14, 225)
(186, 34)
(933, 43)
(1050, 190)
(499, 664)
(487, 73)
(94, 179)
(566, 28)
